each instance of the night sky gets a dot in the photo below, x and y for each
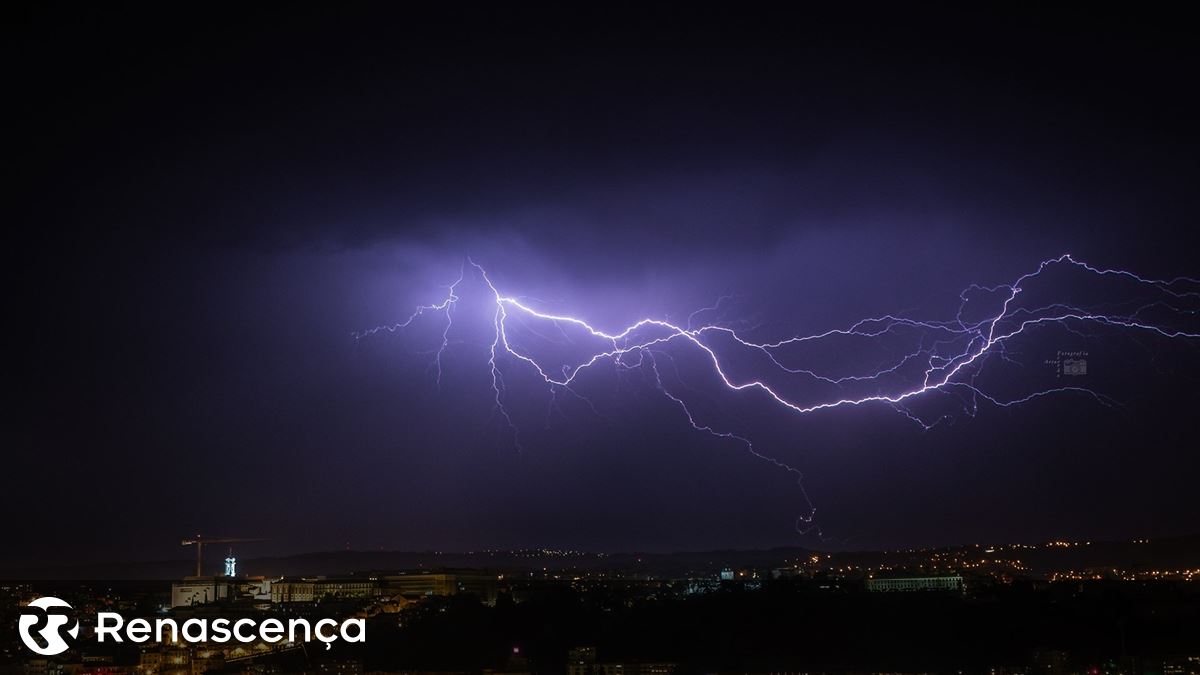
(204, 209)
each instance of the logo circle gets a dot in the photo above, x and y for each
(38, 620)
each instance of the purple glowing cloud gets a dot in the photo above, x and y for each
(946, 356)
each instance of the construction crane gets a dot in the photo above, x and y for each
(199, 541)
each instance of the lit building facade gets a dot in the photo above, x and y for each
(895, 584)
(410, 585)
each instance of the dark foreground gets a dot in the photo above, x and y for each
(1088, 627)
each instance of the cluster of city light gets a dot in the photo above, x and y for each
(947, 357)
(551, 553)
(1182, 574)
(970, 559)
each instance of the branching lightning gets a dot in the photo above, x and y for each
(946, 356)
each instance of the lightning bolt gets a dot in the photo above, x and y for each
(446, 306)
(947, 358)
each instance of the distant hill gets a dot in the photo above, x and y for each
(344, 562)
(1163, 553)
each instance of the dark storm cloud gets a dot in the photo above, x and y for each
(210, 207)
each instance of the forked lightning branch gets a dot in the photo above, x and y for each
(938, 360)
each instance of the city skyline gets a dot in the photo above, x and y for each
(1058, 605)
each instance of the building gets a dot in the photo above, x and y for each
(409, 585)
(199, 591)
(319, 588)
(893, 584)
(202, 590)
(582, 661)
(1052, 662)
(340, 667)
(635, 668)
(486, 585)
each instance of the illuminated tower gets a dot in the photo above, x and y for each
(231, 565)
